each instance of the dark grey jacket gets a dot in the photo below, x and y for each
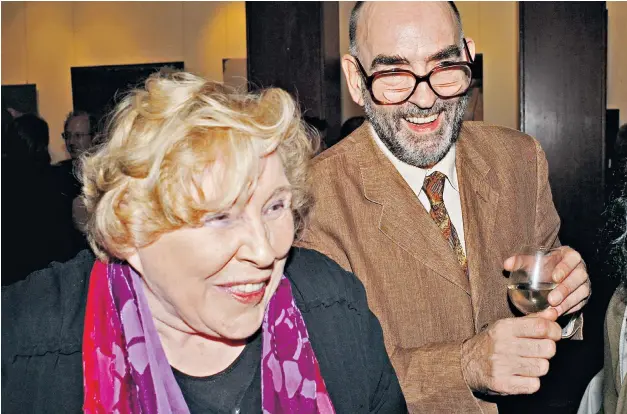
(42, 328)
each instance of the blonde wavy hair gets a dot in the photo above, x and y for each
(162, 140)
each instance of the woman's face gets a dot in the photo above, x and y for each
(216, 280)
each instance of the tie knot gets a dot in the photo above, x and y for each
(434, 187)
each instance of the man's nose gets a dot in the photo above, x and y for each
(423, 96)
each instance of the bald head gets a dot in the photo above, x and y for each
(362, 8)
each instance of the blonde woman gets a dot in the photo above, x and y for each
(195, 301)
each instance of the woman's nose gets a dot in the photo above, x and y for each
(257, 247)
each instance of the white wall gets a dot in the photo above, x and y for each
(41, 41)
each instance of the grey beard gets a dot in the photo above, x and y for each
(417, 155)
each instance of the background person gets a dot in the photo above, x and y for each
(34, 218)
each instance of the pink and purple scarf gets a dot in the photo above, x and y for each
(126, 370)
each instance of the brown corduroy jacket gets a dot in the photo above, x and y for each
(368, 219)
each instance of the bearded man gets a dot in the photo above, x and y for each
(427, 211)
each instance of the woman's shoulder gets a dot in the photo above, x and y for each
(318, 280)
(45, 312)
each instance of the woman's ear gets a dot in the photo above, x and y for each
(134, 260)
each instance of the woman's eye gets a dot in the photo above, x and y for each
(218, 220)
(277, 207)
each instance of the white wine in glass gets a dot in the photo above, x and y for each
(531, 280)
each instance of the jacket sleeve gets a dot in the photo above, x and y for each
(42, 324)
(547, 221)
(386, 396)
(547, 225)
(431, 378)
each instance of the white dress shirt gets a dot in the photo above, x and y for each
(415, 177)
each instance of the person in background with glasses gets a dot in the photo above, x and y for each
(426, 209)
(79, 132)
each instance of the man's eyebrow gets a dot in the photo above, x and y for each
(446, 53)
(452, 51)
(386, 60)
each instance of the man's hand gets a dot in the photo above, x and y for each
(573, 290)
(510, 355)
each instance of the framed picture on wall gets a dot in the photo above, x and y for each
(20, 98)
(96, 89)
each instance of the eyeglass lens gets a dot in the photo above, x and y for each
(445, 82)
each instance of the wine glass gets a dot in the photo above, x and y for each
(531, 278)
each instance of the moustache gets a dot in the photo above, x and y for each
(411, 110)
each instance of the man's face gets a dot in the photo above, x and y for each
(78, 138)
(416, 37)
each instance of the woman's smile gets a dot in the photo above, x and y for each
(249, 294)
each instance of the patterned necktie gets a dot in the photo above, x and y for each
(434, 189)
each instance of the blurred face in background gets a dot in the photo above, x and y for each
(78, 136)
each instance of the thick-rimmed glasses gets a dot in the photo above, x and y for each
(395, 86)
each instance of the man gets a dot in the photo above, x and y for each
(425, 210)
(78, 132)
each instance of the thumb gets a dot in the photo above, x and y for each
(549, 314)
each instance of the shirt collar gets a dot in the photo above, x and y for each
(416, 175)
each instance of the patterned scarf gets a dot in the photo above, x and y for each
(126, 370)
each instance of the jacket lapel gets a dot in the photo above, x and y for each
(480, 203)
(403, 219)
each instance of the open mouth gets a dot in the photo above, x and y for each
(248, 287)
(423, 124)
(247, 293)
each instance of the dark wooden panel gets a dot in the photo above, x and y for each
(563, 55)
(295, 46)
(563, 99)
(331, 100)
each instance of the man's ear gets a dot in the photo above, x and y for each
(353, 78)
(471, 47)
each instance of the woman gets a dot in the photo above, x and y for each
(195, 302)
(607, 391)
(615, 345)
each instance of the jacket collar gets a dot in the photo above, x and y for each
(408, 224)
